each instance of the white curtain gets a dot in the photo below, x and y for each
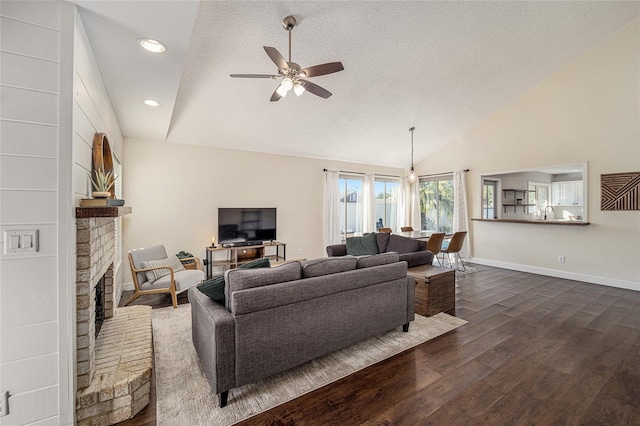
(368, 203)
(401, 207)
(414, 204)
(460, 215)
(331, 215)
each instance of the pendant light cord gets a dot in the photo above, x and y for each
(411, 130)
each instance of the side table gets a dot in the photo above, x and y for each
(435, 289)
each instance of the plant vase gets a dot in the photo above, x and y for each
(100, 194)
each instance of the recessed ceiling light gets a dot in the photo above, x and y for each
(151, 102)
(152, 45)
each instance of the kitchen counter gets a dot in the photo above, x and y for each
(563, 222)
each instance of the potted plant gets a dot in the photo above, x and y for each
(102, 183)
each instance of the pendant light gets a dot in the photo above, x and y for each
(412, 176)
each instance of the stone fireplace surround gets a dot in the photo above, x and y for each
(114, 368)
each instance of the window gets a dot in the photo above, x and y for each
(540, 196)
(436, 203)
(489, 201)
(350, 205)
(386, 202)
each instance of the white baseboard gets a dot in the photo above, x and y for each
(611, 282)
(128, 286)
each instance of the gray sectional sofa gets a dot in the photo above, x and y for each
(412, 251)
(281, 317)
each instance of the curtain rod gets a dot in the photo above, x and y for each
(440, 174)
(361, 173)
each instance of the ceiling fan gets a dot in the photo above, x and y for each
(291, 74)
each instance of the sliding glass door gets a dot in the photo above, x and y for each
(436, 203)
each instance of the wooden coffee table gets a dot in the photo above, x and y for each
(435, 289)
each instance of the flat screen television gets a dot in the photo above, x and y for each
(242, 225)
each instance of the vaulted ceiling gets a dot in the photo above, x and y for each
(439, 66)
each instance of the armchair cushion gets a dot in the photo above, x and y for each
(359, 246)
(155, 274)
(184, 279)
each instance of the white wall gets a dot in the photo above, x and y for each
(33, 341)
(92, 113)
(588, 111)
(175, 191)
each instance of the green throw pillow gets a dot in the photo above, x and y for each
(263, 262)
(361, 246)
(214, 288)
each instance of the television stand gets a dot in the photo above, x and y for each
(239, 254)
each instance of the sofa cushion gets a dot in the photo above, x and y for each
(382, 238)
(401, 244)
(377, 260)
(358, 246)
(242, 279)
(214, 287)
(327, 266)
(155, 274)
(417, 258)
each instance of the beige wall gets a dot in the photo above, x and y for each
(175, 191)
(587, 112)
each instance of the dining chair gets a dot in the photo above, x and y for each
(454, 246)
(406, 228)
(434, 244)
(385, 230)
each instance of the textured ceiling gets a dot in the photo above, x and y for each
(439, 66)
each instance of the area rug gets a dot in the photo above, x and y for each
(184, 396)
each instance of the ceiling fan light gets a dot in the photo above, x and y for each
(287, 83)
(298, 89)
(281, 91)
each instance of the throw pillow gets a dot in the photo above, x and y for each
(214, 288)
(155, 274)
(263, 262)
(360, 246)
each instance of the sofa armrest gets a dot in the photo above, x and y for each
(337, 250)
(213, 335)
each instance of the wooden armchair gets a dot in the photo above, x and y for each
(154, 272)
(385, 230)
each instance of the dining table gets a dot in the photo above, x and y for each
(421, 235)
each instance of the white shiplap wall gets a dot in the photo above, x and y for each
(52, 101)
(29, 193)
(92, 113)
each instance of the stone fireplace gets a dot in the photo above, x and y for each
(114, 362)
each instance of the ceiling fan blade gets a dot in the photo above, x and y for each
(315, 89)
(276, 96)
(276, 57)
(253, 76)
(323, 69)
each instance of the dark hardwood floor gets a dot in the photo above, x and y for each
(537, 351)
